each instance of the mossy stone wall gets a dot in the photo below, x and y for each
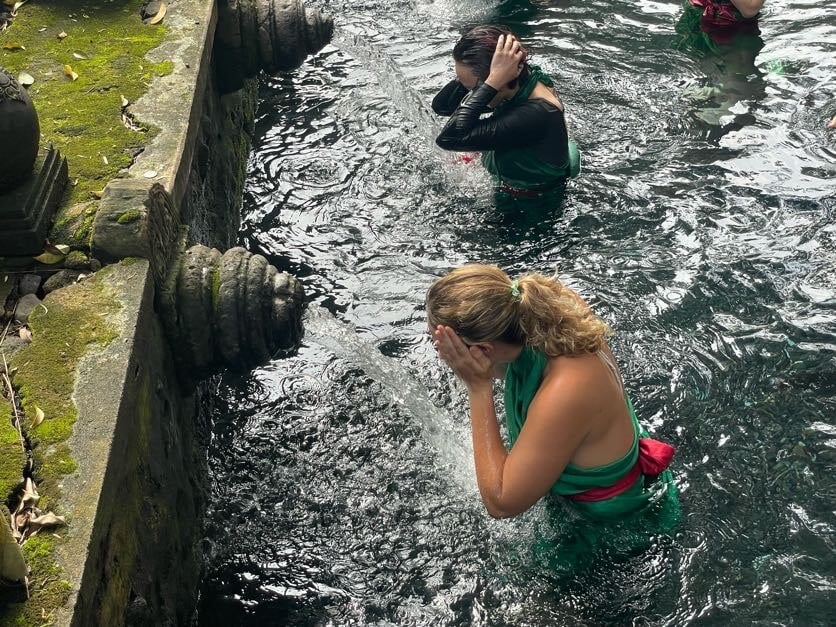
(212, 206)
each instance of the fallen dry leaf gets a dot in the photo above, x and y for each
(17, 5)
(68, 72)
(25, 79)
(25, 334)
(78, 55)
(158, 16)
(13, 45)
(47, 520)
(58, 249)
(52, 254)
(39, 417)
(62, 35)
(30, 496)
(125, 101)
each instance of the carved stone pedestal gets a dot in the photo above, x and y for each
(26, 211)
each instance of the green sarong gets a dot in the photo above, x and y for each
(522, 380)
(520, 168)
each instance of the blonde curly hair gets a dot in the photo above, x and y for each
(483, 304)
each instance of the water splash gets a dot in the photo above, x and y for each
(391, 79)
(451, 443)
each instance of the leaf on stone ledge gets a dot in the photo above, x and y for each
(45, 520)
(125, 101)
(30, 496)
(158, 17)
(58, 249)
(25, 334)
(39, 417)
(52, 254)
(68, 72)
(25, 79)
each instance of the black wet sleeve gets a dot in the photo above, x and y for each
(449, 98)
(521, 126)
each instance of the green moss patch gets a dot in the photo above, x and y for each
(131, 215)
(12, 457)
(105, 45)
(48, 590)
(72, 321)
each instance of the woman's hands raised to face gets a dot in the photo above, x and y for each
(469, 363)
(507, 62)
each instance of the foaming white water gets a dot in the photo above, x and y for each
(451, 442)
(466, 174)
(462, 11)
(391, 79)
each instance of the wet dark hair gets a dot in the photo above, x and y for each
(476, 47)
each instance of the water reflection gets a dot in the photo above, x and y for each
(733, 83)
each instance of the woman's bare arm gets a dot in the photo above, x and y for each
(748, 8)
(555, 426)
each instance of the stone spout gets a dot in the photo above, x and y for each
(269, 35)
(230, 310)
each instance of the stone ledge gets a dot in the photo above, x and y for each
(174, 103)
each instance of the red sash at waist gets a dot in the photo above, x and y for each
(720, 14)
(654, 457)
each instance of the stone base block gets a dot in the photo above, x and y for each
(26, 212)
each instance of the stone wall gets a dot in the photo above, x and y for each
(136, 499)
(128, 469)
(144, 564)
(211, 206)
(117, 449)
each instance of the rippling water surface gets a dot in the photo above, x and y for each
(702, 229)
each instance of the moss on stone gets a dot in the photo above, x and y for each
(216, 286)
(48, 589)
(72, 321)
(129, 261)
(58, 462)
(12, 457)
(131, 215)
(83, 118)
(76, 258)
(62, 332)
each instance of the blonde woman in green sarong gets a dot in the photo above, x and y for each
(572, 429)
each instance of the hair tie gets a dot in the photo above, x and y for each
(515, 289)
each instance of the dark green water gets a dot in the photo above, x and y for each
(702, 229)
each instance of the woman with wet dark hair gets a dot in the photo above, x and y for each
(524, 143)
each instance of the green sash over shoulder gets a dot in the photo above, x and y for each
(520, 168)
(522, 380)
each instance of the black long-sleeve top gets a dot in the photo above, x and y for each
(536, 125)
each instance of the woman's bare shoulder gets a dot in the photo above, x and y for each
(574, 381)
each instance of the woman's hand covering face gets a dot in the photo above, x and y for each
(469, 363)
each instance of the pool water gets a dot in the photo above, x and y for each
(702, 228)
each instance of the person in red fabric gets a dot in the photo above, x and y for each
(723, 19)
(725, 37)
(571, 426)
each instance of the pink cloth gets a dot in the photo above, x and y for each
(654, 457)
